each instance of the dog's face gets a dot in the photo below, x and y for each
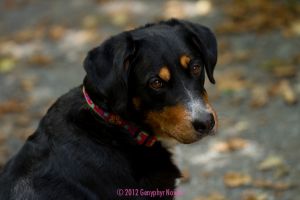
(157, 72)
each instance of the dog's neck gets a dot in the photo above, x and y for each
(140, 136)
(94, 94)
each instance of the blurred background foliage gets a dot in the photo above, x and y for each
(254, 157)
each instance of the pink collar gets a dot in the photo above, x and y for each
(141, 137)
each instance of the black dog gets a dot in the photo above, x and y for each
(105, 139)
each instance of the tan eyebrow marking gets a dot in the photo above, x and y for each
(136, 102)
(164, 73)
(184, 61)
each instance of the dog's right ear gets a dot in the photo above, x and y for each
(205, 41)
(107, 68)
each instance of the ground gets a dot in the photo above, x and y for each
(253, 156)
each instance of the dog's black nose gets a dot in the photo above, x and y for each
(205, 123)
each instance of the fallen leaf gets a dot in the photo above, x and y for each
(280, 68)
(225, 58)
(281, 171)
(285, 71)
(282, 186)
(40, 59)
(56, 32)
(11, 106)
(252, 195)
(241, 126)
(284, 90)
(270, 64)
(78, 38)
(242, 56)
(237, 143)
(262, 183)
(121, 19)
(295, 27)
(271, 162)
(287, 92)
(220, 147)
(23, 120)
(232, 144)
(27, 84)
(259, 97)
(232, 80)
(7, 64)
(174, 9)
(229, 56)
(203, 7)
(236, 179)
(268, 184)
(90, 22)
(185, 9)
(30, 34)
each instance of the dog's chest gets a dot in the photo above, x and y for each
(154, 169)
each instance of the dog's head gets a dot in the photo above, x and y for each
(156, 74)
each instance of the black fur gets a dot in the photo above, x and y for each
(75, 155)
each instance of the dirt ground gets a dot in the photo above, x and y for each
(255, 154)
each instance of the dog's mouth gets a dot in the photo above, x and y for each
(175, 123)
(188, 137)
(191, 136)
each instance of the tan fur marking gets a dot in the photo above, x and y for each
(172, 122)
(205, 97)
(164, 73)
(136, 102)
(184, 61)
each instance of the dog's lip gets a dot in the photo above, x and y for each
(204, 134)
(198, 136)
(186, 141)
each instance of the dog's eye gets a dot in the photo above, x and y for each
(196, 70)
(156, 83)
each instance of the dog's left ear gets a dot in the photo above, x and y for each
(107, 68)
(206, 43)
